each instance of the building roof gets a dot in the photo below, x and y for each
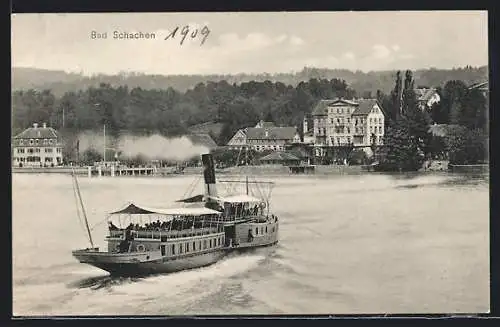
(424, 94)
(265, 124)
(321, 107)
(442, 130)
(365, 106)
(482, 86)
(37, 132)
(279, 156)
(271, 133)
(300, 153)
(202, 139)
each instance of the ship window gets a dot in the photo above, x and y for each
(187, 247)
(199, 245)
(218, 242)
(162, 250)
(273, 229)
(262, 230)
(173, 248)
(204, 244)
(180, 248)
(266, 229)
(210, 242)
(194, 246)
(256, 231)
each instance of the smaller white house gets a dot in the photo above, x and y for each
(239, 139)
(37, 146)
(427, 97)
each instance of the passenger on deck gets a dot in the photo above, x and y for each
(250, 235)
(112, 226)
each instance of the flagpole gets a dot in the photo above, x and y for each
(104, 150)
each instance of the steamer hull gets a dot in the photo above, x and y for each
(137, 264)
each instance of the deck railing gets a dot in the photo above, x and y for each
(165, 234)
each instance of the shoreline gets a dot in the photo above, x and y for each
(268, 170)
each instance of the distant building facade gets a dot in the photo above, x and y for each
(264, 136)
(341, 122)
(37, 147)
(426, 97)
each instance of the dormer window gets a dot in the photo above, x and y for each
(45, 141)
(21, 142)
(51, 141)
(32, 141)
(36, 142)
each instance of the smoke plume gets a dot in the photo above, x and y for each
(149, 147)
(159, 147)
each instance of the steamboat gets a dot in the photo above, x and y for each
(203, 229)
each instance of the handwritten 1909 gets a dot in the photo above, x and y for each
(195, 33)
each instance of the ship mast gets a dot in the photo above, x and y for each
(77, 188)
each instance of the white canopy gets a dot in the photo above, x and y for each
(240, 198)
(134, 209)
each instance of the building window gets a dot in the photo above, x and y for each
(59, 150)
(21, 142)
(194, 246)
(348, 120)
(51, 141)
(348, 130)
(338, 140)
(31, 141)
(266, 229)
(349, 139)
(173, 248)
(187, 247)
(45, 141)
(210, 244)
(341, 110)
(36, 142)
(30, 150)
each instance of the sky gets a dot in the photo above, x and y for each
(252, 42)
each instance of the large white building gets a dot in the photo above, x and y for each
(341, 122)
(37, 147)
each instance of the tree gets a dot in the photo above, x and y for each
(401, 151)
(466, 146)
(407, 139)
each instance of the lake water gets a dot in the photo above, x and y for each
(349, 244)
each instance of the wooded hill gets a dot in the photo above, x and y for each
(60, 82)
